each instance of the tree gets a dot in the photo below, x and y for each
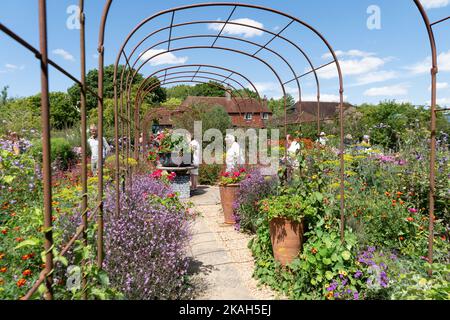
(4, 96)
(212, 118)
(156, 96)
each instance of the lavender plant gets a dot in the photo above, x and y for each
(145, 246)
(253, 189)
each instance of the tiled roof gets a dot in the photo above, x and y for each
(233, 105)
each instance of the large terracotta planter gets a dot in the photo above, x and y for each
(227, 197)
(287, 239)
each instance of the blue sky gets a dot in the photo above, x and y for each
(378, 64)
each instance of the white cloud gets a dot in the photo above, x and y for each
(440, 86)
(233, 29)
(162, 59)
(395, 90)
(350, 53)
(375, 77)
(63, 54)
(352, 67)
(425, 65)
(433, 4)
(13, 67)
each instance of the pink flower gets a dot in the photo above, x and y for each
(236, 174)
(413, 210)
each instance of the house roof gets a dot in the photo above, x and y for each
(231, 106)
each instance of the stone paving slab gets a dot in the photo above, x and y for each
(221, 263)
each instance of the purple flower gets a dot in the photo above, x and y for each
(358, 274)
(356, 295)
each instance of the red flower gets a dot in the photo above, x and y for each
(171, 195)
(236, 174)
(242, 170)
(3, 270)
(410, 219)
(27, 273)
(19, 239)
(226, 174)
(26, 257)
(172, 176)
(5, 231)
(21, 282)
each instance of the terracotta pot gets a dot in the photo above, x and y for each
(287, 239)
(227, 197)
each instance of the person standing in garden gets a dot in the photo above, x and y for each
(234, 156)
(93, 144)
(323, 139)
(196, 155)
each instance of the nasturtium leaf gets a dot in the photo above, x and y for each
(346, 255)
(28, 243)
(326, 261)
(329, 275)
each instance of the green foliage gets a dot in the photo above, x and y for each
(211, 117)
(158, 95)
(61, 152)
(386, 121)
(419, 286)
(209, 174)
(288, 205)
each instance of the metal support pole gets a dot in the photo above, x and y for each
(46, 153)
(84, 200)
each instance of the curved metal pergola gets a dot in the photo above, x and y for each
(134, 71)
(123, 90)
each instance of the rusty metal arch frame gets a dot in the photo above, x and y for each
(433, 109)
(140, 96)
(42, 56)
(275, 35)
(235, 5)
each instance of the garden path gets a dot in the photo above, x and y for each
(221, 263)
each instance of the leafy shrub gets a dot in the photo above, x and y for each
(62, 154)
(252, 190)
(151, 238)
(209, 174)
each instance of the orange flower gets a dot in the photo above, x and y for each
(387, 194)
(3, 269)
(2, 282)
(13, 214)
(313, 250)
(54, 218)
(410, 219)
(399, 194)
(444, 238)
(330, 295)
(21, 282)
(5, 231)
(402, 202)
(394, 201)
(17, 228)
(401, 238)
(19, 239)
(26, 257)
(27, 273)
(2, 255)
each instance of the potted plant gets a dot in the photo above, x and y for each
(229, 186)
(286, 214)
(173, 150)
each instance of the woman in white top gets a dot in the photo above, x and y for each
(196, 153)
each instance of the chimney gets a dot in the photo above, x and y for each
(227, 93)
